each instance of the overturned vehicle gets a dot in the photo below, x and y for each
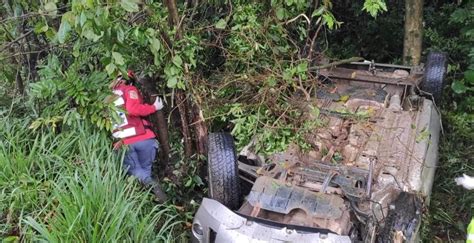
(365, 180)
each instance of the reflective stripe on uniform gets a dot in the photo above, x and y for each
(124, 120)
(118, 92)
(125, 133)
(120, 101)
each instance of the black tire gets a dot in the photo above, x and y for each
(435, 72)
(223, 170)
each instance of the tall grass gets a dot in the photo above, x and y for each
(70, 187)
(452, 206)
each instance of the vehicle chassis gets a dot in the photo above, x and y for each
(376, 192)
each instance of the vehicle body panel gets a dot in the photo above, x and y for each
(230, 227)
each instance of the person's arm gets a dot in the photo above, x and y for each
(134, 107)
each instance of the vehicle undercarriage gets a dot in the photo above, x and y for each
(369, 171)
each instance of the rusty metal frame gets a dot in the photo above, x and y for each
(366, 76)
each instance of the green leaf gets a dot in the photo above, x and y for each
(168, 71)
(288, 75)
(130, 5)
(150, 32)
(198, 180)
(177, 61)
(64, 29)
(373, 7)
(82, 19)
(89, 33)
(76, 50)
(118, 58)
(156, 59)
(221, 24)
(69, 17)
(155, 45)
(41, 27)
(302, 67)
(189, 182)
(172, 82)
(136, 32)
(318, 12)
(50, 34)
(180, 85)
(90, 3)
(271, 81)
(280, 13)
(11, 239)
(314, 111)
(329, 20)
(460, 15)
(120, 35)
(458, 87)
(469, 76)
(110, 68)
(51, 8)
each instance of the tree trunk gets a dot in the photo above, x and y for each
(149, 89)
(180, 97)
(200, 128)
(163, 136)
(183, 113)
(174, 17)
(413, 32)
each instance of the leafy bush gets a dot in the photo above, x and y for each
(464, 17)
(66, 96)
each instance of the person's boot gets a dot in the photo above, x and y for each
(160, 196)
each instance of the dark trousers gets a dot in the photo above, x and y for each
(139, 159)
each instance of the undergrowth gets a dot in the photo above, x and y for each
(452, 206)
(69, 186)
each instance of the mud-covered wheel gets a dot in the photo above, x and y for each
(223, 170)
(435, 72)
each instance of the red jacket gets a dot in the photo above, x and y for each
(136, 109)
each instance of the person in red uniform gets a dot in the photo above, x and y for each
(135, 132)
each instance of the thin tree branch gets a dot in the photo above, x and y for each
(28, 15)
(7, 45)
(295, 18)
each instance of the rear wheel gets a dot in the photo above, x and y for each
(435, 72)
(223, 170)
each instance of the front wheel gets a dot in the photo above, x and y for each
(223, 170)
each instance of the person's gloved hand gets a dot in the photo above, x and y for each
(465, 181)
(158, 104)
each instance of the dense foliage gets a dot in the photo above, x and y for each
(451, 29)
(245, 63)
(88, 42)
